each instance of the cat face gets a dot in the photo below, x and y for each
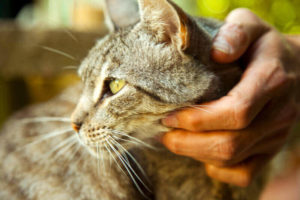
(120, 99)
(138, 74)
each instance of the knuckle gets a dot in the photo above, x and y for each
(193, 125)
(279, 78)
(277, 66)
(228, 150)
(241, 115)
(191, 122)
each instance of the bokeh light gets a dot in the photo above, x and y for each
(217, 6)
(283, 14)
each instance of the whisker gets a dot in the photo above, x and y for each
(68, 145)
(132, 157)
(71, 35)
(199, 108)
(102, 160)
(110, 163)
(200, 105)
(128, 164)
(98, 159)
(78, 159)
(114, 142)
(135, 139)
(61, 144)
(131, 141)
(71, 157)
(79, 139)
(58, 52)
(135, 142)
(135, 174)
(47, 136)
(116, 151)
(67, 152)
(111, 154)
(45, 119)
(129, 170)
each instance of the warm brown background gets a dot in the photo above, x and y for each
(30, 73)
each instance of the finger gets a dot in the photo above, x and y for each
(268, 145)
(207, 147)
(225, 113)
(230, 147)
(241, 29)
(220, 149)
(232, 112)
(241, 174)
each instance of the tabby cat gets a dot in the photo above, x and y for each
(152, 63)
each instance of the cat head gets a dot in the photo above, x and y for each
(149, 65)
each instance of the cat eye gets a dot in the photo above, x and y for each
(116, 85)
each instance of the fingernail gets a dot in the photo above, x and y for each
(222, 45)
(170, 121)
(230, 39)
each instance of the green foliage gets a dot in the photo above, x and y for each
(283, 14)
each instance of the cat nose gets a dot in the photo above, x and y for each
(76, 126)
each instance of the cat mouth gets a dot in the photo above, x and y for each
(94, 139)
(109, 141)
(100, 142)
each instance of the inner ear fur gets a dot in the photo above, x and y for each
(172, 25)
(160, 17)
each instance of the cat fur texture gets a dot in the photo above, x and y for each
(163, 58)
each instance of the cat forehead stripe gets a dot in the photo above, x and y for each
(98, 53)
(100, 82)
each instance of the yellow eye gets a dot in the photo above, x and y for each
(116, 85)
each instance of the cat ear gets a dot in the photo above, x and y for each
(120, 13)
(171, 24)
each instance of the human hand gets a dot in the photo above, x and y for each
(241, 131)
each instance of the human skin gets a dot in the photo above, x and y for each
(241, 131)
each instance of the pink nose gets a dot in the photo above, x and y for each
(76, 126)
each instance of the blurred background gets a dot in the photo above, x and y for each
(43, 41)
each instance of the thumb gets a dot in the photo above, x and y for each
(241, 29)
